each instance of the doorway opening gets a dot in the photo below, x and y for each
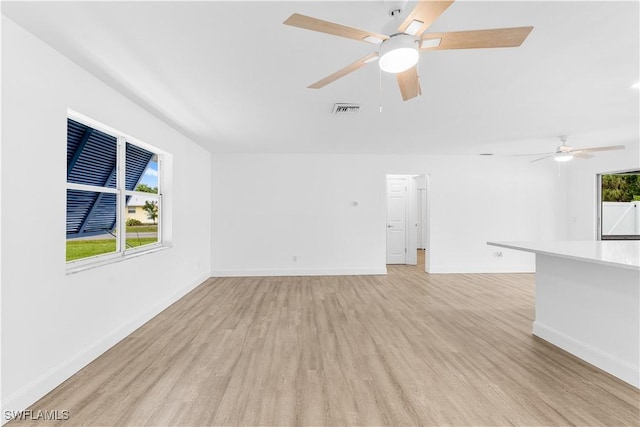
(407, 227)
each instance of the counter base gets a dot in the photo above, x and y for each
(592, 311)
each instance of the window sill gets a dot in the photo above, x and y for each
(620, 237)
(74, 267)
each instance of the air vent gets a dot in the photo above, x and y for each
(345, 108)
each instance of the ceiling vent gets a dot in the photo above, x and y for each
(345, 108)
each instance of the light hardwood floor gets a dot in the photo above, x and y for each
(403, 349)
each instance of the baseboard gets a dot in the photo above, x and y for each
(598, 358)
(31, 393)
(366, 271)
(471, 269)
(300, 272)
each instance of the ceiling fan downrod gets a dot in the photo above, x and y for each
(395, 7)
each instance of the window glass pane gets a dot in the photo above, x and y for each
(139, 168)
(91, 221)
(142, 229)
(621, 206)
(149, 180)
(95, 189)
(91, 156)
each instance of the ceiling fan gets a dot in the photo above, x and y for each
(565, 153)
(399, 52)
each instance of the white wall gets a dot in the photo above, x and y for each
(269, 208)
(54, 323)
(581, 187)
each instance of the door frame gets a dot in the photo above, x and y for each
(426, 222)
(426, 212)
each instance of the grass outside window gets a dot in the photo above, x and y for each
(77, 249)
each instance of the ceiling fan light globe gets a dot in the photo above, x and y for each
(398, 53)
(399, 60)
(563, 157)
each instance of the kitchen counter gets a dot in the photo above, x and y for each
(588, 301)
(617, 253)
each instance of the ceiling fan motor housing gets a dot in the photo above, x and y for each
(564, 149)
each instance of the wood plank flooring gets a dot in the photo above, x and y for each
(403, 349)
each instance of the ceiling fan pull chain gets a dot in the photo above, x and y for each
(380, 88)
(419, 90)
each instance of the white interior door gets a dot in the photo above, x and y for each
(397, 220)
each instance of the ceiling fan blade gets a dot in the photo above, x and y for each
(314, 24)
(535, 154)
(409, 83)
(592, 149)
(474, 39)
(581, 155)
(344, 71)
(425, 13)
(542, 158)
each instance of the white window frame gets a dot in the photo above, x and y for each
(121, 252)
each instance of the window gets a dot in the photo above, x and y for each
(108, 176)
(619, 206)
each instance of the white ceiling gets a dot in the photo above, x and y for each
(232, 77)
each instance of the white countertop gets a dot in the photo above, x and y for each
(617, 253)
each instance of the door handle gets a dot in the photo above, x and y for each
(389, 226)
